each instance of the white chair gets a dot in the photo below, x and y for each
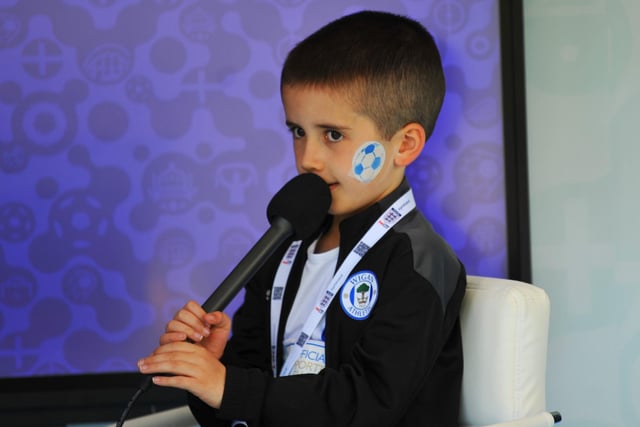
(505, 325)
(176, 417)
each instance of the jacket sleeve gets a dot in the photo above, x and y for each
(388, 356)
(246, 356)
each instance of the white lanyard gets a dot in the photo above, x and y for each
(384, 223)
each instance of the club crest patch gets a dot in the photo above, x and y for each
(359, 294)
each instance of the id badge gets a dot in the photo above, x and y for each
(311, 360)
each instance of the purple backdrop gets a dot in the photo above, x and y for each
(140, 142)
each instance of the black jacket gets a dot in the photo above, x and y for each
(401, 366)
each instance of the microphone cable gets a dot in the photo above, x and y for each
(144, 386)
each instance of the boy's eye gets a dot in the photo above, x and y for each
(297, 132)
(333, 135)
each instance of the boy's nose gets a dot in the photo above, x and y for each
(311, 157)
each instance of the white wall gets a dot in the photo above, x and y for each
(583, 106)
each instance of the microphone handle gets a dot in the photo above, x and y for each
(279, 231)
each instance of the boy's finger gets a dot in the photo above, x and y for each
(168, 337)
(218, 319)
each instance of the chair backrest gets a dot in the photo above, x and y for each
(505, 326)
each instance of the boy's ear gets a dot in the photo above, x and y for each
(412, 139)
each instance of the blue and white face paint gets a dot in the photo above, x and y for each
(367, 161)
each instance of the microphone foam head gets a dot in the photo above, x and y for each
(304, 202)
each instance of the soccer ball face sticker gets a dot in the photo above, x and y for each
(367, 161)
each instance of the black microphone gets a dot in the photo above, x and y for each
(298, 209)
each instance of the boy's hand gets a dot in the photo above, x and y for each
(194, 366)
(194, 369)
(210, 330)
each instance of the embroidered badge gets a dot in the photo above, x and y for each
(359, 294)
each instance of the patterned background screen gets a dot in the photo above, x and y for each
(140, 142)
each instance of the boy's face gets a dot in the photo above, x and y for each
(327, 135)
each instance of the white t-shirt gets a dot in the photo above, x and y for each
(318, 272)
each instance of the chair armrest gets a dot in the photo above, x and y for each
(543, 419)
(176, 417)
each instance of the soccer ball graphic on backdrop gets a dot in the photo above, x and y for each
(368, 160)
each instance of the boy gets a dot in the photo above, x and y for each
(387, 351)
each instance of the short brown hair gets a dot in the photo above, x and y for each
(388, 65)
